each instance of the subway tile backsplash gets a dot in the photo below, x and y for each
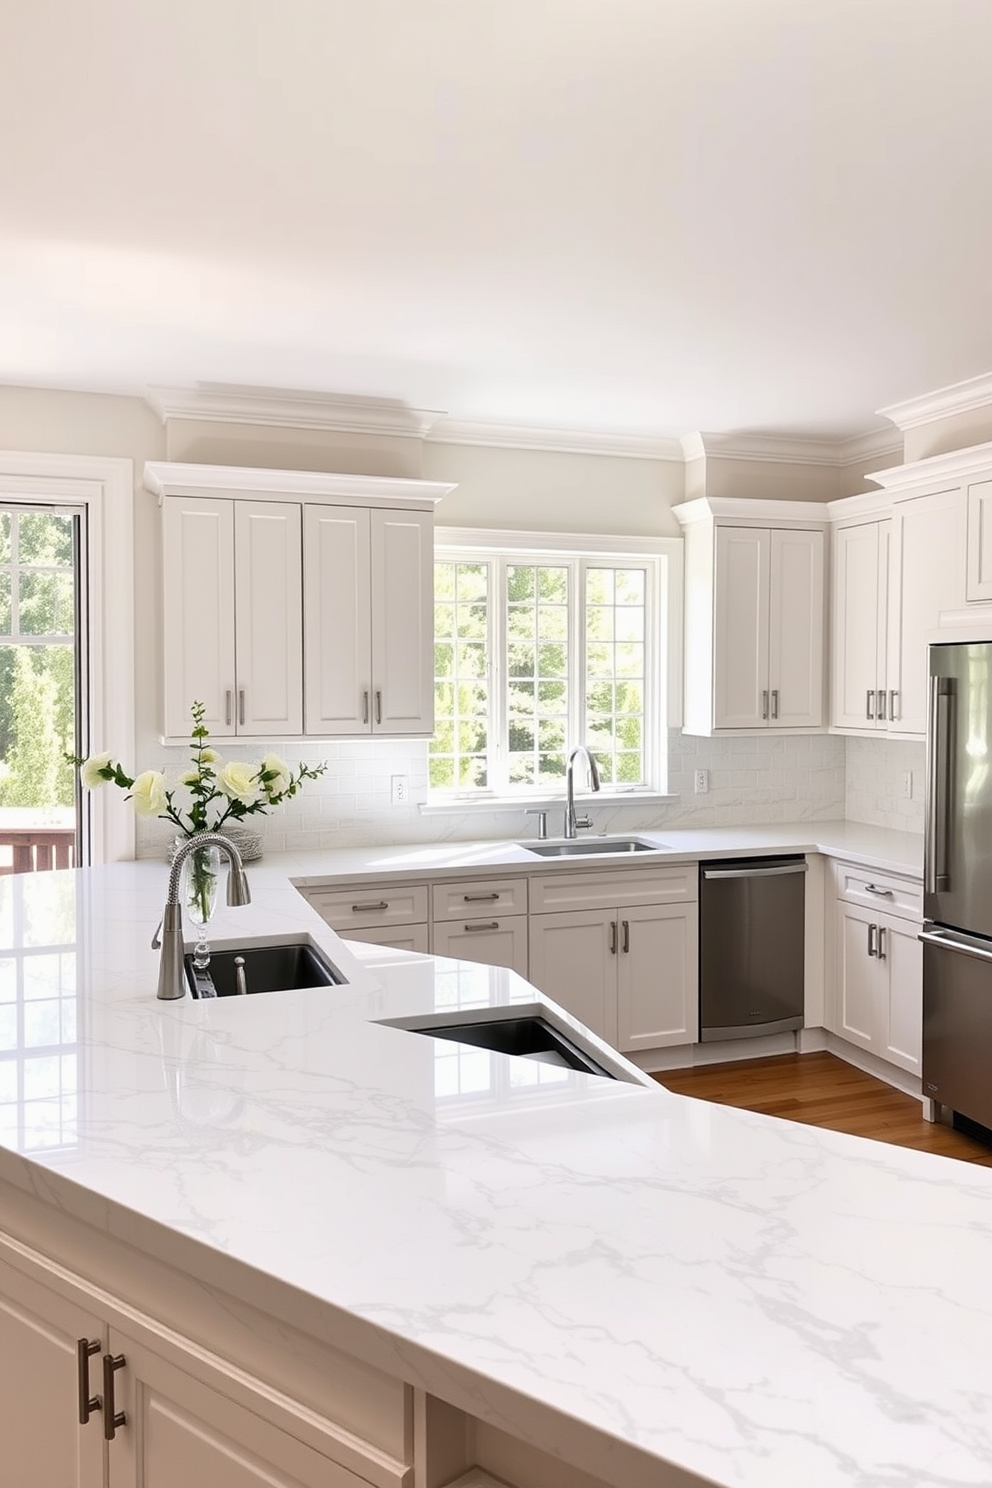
(813, 777)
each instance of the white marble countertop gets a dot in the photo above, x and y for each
(659, 1290)
(882, 848)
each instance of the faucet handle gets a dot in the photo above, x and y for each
(541, 812)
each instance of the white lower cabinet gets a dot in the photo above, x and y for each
(494, 942)
(180, 1416)
(877, 999)
(627, 969)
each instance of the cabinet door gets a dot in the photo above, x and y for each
(198, 613)
(978, 584)
(191, 1425)
(658, 976)
(902, 955)
(795, 629)
(43, 1444)
(269, 617)
(573, 960)
(402, 622)
(497, 941)
(927, 577)
(860, 993)
(855, 614)
(740, 637)
(338, 620)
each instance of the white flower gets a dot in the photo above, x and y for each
(89, 770)
(148, 793)
(209, 756)
(191, 777)
(280, 777)
(239, 781)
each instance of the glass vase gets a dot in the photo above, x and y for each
(201, 878)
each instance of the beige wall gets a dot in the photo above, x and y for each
(540, 490)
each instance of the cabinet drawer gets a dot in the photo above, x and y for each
(885, 892)
(606, 887)
(455, 901)
(367, 906)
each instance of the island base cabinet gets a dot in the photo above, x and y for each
(42, 1443)
(182, 1415)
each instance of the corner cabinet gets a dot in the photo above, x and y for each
(754, 618)
(295, 603)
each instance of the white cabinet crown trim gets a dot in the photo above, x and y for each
(167, 478)
(920, 475)
(748, 513)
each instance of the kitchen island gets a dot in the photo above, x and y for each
(467, 1264)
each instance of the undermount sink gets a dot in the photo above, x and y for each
(589, 847)
(526, 1035)
(270, 968)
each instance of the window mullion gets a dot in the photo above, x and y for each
(499, 776)
(577, 644)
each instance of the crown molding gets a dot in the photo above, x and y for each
(286, 409)
(786, 449)
(957, 465)
(171, 478)
(959, 397)
(747, 511)
(556, 441)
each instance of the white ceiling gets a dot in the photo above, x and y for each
(639, 216)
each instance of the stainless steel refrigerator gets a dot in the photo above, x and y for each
(957, 898)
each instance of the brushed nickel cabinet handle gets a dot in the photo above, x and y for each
(476, 898)
(365, 706)
(872, 940)
(626, 937)
(85, 1349)
(774, 702)
(613, 937)
(373, 904)
(241, 705)
(228, 703)
(881, 704)
(764, 702)
(870, 705)
(892, 705)
(378, 706)
(112, 1417)
(881, 942)
(488, 925)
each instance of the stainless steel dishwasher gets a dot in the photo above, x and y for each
(751, 946)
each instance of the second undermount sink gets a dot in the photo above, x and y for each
(589, 847)
(268, 968)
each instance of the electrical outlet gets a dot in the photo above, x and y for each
(400, 789)
(907, 785)
(702, 782)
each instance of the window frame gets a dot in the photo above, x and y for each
(104, 488)
(663, 619)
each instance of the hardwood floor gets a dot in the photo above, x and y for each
(822, 1090)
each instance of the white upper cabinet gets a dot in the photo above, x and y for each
(232, 616)
(928, 579)
(754, 577)
(296, 602)
(368, 581)
(859, 611)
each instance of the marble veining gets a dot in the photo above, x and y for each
(659, 1290)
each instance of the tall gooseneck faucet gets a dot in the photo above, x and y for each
(573, 822)
(170, 971)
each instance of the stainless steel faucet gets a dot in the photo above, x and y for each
(170, 934)
(573, 822)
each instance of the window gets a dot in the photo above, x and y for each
(537, 650)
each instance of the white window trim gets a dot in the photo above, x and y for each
(105, 488)
(669, 600)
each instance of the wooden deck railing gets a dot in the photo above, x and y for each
(37, 848)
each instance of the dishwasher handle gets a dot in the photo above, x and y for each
(754, 872)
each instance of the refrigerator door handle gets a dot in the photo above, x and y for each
(938, 783)
(949, 940)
